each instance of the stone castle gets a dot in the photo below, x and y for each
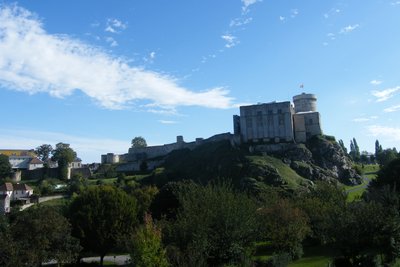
(267, 123)
(279, 122)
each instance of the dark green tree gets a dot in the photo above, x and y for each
(42, 234)
(64, 155)
(8, 250)
(378, 148)
(139, 142)
(341, 144)
(44, 152)
(389, 175)
(214, 226)
(102, 218)
(354, 150)
(5, 166)
(386, 156)
(286, 226)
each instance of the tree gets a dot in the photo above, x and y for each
(286, 227)
(378, 148)
(8, 251)
(214, 226)
(102, 218)
(139, 142)
(386, 156)
(341, 144)
(5, 166)
(354, 150)
(64, 155)
(147, 248)
(389, 175)
(41, 234)
(44, 152)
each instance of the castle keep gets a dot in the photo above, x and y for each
(279, 122)
(271, 123)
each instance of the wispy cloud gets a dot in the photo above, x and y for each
(282, 18)
(247, 3)
(87, 148)
(392, 109)
(331, 12)
(365, 119)
(111, 41)
(115, 25)
(67, 64)
(331, 36)
(168, 122)
(391, 133)
(349, 28)
(396, 3)
(376, 82)
(230, 40)
(237, 22)
(386, 94)
(294, 12)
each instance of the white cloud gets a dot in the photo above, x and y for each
(386, 132)
(281, 18)
(87, 148)
(294, 13)
(240, 21)
(152, 55)
(386, 94)
(115, 26)
(365, 119)
(331, 36)
(34, 61)
(230, 40)
(168, 122)
(395, 3)
(349, 28)
(375, 82)
(247, 3)
(111, 41)
(392, 109)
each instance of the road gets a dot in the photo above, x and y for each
(41, 200)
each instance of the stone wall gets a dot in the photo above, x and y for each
(271, 122)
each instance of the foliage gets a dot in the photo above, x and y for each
(385, 156)
(145, 196)
(44, 152)
(214, 226)
(139, 142)
(106, 171)
(341, 144)
(147, 248)
(389, 175)
(364, 230)
(323, 204)
(285, 226)
(41, 234)
(8, 257)
(64, 155)
(354, 150)
(102, 217)
(5, 166)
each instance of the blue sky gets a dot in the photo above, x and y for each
(95, 74)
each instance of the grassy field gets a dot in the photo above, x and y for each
(369, 173)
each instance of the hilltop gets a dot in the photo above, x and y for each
(254, 166)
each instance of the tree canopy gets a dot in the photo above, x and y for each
(5, 166)
(102, 217)
(44, 152)
(139, 142)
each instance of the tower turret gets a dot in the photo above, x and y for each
(305, 103)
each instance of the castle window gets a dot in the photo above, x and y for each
(279, 111)
(310, 121)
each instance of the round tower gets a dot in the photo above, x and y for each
(305, 102)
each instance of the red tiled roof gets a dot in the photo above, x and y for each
(36, 161)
